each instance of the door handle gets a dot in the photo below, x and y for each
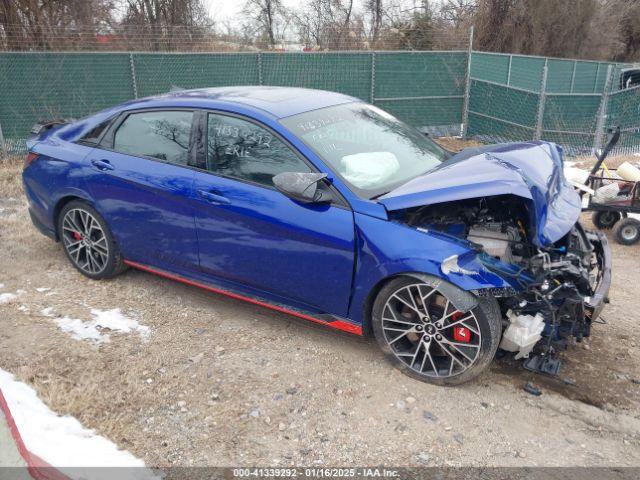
(215, 198)
(102, 165)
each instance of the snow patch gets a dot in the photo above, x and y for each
(7, 297)
(62, 441)
(94, 330)
(116, 321)
(42, 289)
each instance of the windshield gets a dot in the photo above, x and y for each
(371, 150)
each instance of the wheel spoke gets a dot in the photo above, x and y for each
(453, 357)
(444, 342)
(399, 337)
(444, 327)
(415, 355)
(402, 300)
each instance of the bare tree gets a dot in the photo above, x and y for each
(50, 24)
(458, 12)
(375, 12)
(266, 14)
(329, 24)
(165, 22)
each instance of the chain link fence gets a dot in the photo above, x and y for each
(570, 102)
(424, 88)
(489, 96)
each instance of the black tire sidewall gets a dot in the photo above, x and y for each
(623, 224)
(489, 320)
(597, 219)
(114, 260)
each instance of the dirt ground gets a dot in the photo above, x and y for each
(224, 383)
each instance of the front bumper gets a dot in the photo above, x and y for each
(595, 304)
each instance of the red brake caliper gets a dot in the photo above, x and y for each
(77, 236)
(460, 334)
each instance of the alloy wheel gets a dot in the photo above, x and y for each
(426, 332)
(85, 241)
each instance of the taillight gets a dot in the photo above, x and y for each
(30, 158)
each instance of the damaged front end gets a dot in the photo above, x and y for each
(524, 230)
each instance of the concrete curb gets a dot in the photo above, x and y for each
(37, 468)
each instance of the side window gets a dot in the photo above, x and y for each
(163, 135)
(241, 149)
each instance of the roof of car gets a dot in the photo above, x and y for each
(277, 101)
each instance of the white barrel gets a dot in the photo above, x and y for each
(629, 172)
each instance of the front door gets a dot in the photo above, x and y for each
(250, 233)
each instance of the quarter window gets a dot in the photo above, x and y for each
(162, 135)
(92, 137)
(241, 149)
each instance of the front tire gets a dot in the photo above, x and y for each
(427, 338)
(88, 242)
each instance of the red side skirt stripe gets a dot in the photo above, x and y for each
(337, 324)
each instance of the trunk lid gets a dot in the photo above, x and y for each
(531, 170)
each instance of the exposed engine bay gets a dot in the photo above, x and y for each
(554, 287)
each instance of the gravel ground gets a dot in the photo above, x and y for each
(223, 383)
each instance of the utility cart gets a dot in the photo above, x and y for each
(614, 199)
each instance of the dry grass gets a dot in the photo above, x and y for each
(455, 144)
(10, 178)
(613, 161)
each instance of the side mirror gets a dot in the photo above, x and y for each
(303, 187)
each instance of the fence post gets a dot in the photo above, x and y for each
(373, 78)
(259, 68)
(573, 76)
(509, 70)
(3, 146)
(467, 87)
(602, 111)
(134, 80)
(543, 98)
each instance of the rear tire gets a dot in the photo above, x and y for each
(88, 242)
(605, 219)
(627, 231)
(424, 346)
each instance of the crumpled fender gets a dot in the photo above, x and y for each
(461, 299)
(386, 249)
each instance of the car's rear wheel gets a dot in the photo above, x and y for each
(88, 242)
(428, 338)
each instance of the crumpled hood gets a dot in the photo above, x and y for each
(531, 170)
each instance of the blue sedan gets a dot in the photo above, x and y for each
(321, 206)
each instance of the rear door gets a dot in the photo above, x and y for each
(142, 183)
(250, 233)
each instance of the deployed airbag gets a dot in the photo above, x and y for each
(366, 170)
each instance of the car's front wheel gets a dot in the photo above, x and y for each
(427, 337)
(88, 242)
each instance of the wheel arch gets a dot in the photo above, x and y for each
(461, 299)
(59, 205)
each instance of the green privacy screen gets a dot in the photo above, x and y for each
(426, 89)
(415, 86)
(423, 88)
(53, 85)
(511, 101)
